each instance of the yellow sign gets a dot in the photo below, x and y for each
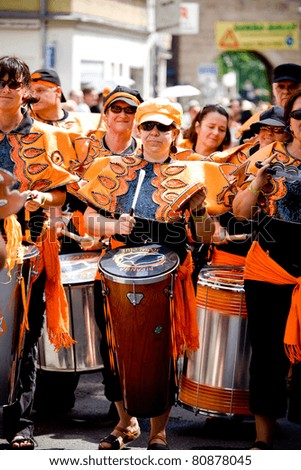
(281, 35)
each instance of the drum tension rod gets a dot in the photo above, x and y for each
(169, 291)
(135, 297)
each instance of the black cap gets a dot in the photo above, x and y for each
(289, 72)
(273, 116)
(122, 93)
(47, 75)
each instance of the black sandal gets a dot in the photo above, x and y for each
(157, 445)
(118, 442)
(260, 445)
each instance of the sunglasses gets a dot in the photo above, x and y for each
(296, 114)
(118, 109)
(12, 84)
(274, 130)
(148, 126)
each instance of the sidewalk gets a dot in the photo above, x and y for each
(83, 426)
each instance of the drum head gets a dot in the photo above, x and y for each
(79, 268)
(143, 264)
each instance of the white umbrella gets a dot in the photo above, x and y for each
(179, 91)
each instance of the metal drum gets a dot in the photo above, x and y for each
(215, 379)
(138, 286)
(78, 271)
(11, 317)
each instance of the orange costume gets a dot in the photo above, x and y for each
(272, 278)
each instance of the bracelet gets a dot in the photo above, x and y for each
(253, 191)
(43, 201)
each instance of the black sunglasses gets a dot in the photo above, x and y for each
(148, 126)
(12, 84)
(296, 114)
(118, 109)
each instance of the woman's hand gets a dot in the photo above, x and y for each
(125, 224)
(262, 177)
(35, 200)
(99, 226)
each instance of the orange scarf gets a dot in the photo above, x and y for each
(260, 267)
(223, 258)
(184, 315)
(57, 312)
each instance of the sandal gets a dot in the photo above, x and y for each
(118, 442)
(24, 443)
(157, 445)
(260, 445)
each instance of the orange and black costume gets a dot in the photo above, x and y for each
(37, 155)
(272, 279)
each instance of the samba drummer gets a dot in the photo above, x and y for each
(155, 221)
(33, 154)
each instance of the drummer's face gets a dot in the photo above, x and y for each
(156, 143)
(119, 122)
(12, 98)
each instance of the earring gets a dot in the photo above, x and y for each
(173, 147)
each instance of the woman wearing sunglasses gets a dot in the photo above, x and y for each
(109, 214)
(116, 136)
(269, 196)
(268, 129)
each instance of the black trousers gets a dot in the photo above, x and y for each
(268, 307)
(17, 416)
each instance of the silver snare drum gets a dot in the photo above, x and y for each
(78, 271)
(215, 379)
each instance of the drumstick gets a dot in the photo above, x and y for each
(77, 238)
(138, 188)
(238, 237)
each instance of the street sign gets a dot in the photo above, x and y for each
(281, 35)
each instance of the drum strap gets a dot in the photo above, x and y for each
(184, 311)
(261, 267)
(109, 327)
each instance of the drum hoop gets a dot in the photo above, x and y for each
(140, 280)
(178, 203)
(220, 284)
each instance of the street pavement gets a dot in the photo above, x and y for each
(82, 427)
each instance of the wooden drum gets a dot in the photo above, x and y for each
(138, 286)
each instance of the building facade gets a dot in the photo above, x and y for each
(130, 42)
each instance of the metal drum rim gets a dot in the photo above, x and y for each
(139, 280)
(215, 284)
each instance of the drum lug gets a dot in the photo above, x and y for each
(135, 298)
(105, 291)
